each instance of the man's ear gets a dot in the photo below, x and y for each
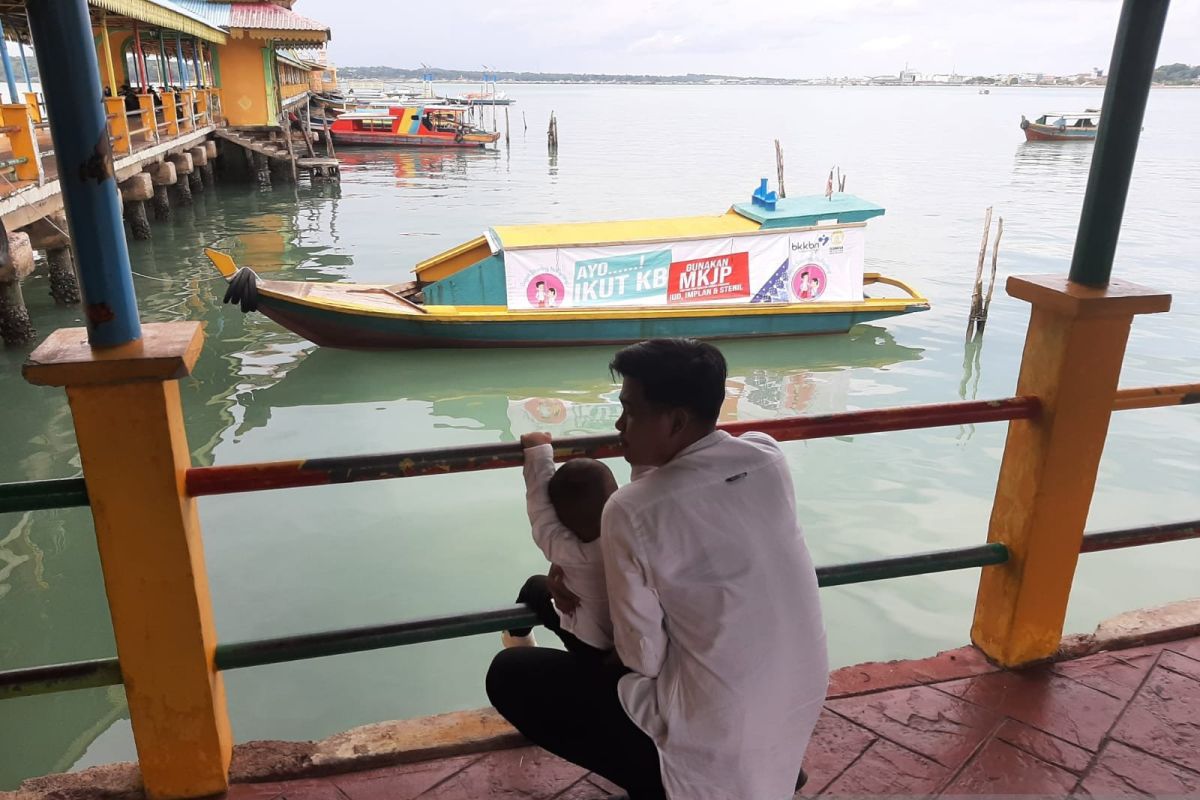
(680, 419)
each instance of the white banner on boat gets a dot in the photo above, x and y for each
(824, 264)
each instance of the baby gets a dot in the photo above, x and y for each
(564, 512)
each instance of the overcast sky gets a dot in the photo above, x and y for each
(777, 38)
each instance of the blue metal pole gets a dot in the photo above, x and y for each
(183, 78)
(25, 66)
(196, 60)
(79, 128)
(8, 70)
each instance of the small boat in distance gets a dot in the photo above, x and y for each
(483, 99)
(1062, 127)
(410, 125)
(769, 267)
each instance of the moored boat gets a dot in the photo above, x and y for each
(764, 268)
(483, 99)
(410, 125)
(1062, 127)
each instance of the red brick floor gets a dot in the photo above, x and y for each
(1124, 722)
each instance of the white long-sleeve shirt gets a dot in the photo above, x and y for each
(582, 562)
(714, 603)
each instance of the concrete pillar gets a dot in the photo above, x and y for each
(183, 167)
(15, 325)
(162, 175)
(16, 261)
(139, 222)
(135, 192)
(64, 285)
(199, 162)
(262, 170)
(49, 234)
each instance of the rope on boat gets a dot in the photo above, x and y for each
(243, 290)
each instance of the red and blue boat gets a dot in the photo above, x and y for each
(410, 126)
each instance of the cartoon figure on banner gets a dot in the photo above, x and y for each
(545, 291)
(546, 410)
(809, 282)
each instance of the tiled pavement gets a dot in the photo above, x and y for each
(1124, 722)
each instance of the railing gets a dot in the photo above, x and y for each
(202, 481)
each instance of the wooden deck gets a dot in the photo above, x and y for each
(1117, 723)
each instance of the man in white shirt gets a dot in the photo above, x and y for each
(714, 604)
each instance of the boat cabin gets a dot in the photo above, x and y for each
(1086, 119)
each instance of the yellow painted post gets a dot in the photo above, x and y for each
(185, 110)
(169, 117)
(202, 107)
(35, 106)
(108, 62)
(23, 140)
(134, 450)
(1072, 361)
(218, 111)
(118, 124)
(148, 122)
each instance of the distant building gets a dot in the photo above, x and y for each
(909, 76)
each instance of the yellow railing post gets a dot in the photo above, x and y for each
(186, 123)
(218, 112)
(202, 107)
(118, 125)
(149, 122)
(169, 114)
(35, 106)
(1072, 362)
(134, 451)
(23, 140)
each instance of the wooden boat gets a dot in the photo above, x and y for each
(1062, 127)
(763, 268)
(409, 125)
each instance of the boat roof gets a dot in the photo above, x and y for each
(566, 234)
(1091, 112)
(813, 209)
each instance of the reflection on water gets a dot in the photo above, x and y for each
(296, 561)
(507, 391)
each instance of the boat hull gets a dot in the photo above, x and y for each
(330, 328)
(400, 140)
(1052, 133)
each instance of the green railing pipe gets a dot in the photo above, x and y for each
(35, 495)
(1129, 75)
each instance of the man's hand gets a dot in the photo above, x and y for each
(566, 600)
(529, 440)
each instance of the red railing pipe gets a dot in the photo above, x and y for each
(203, 481)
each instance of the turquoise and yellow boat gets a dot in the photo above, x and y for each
(769, 267)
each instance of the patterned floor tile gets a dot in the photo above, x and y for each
(1182, 665)
(1163, 719)
(1071, 711)
(526, 773)
(1122, 771)
(999, 768)
(887, 769)
(1116, 676)
(834, 745)
(1046, 747)
(402, 782)
(932, 723)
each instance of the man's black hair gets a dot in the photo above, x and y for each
(676, 373)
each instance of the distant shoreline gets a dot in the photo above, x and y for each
(373, 82)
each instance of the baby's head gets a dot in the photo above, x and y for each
(578, 492)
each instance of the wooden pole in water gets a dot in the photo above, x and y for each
(977, 294)
(524, 121)
(987, 302)
(552, 134)
(779, 167)
(506, 126)
(308, 139)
